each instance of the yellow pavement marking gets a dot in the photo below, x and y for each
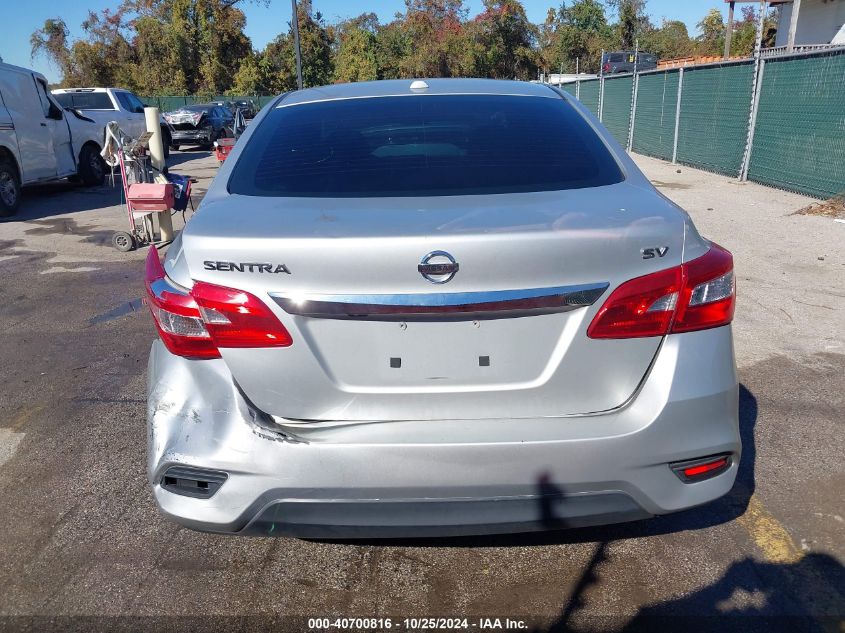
(768, 534)
(24, 416)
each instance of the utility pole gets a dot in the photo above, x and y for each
(295, 24)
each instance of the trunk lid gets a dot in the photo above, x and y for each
(307, 256)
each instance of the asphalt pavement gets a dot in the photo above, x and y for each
(84, 547)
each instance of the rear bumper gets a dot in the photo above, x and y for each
(384, 479)
(201, 135)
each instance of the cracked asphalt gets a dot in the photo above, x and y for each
(83, 546)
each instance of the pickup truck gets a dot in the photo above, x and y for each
(41, 141)
(112, 104)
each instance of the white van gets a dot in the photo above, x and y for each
(39, 140)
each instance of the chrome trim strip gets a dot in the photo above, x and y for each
(7, 126)
(460, 305)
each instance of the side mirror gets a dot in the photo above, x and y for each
(55, 113)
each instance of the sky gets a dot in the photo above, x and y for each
(263, 23)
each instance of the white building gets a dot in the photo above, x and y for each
(802, 24)
(818, 22)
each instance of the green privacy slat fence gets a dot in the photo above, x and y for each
(570, 88)
(715, 102)
(654, 125)
(616, 107)
(799, 137)
(590, 95)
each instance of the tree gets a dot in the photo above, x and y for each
(51, 40)
(432, 31)
(151, 46)
(577, 32)
(504, 41)
(633, 21)
(357, 54)
(248, 79)
(712, 38)
(745, 32)
(669, 41)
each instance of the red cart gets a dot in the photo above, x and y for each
(222, 148)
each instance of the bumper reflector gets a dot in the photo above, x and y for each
(700, 469)
(193, 482)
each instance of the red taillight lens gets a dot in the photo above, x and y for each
(196, 324)
(176, 314)
(235, 318)
(709, 295)
(697, 295)
(641, 307)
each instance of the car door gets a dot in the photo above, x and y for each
(137, 107)
(33, 136)
(130, 121)
(226, 121)
(60, 140)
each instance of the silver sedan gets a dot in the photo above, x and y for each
(437, 307)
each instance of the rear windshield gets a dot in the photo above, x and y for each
(84, 100)
(438, 145)
(198, 108)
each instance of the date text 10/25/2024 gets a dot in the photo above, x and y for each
(417, 624)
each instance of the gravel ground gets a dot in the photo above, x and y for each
(84, 547)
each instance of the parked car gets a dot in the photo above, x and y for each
(199, 124)
(623, 62)
(437, 308)
(39, 140)
(229, 105)
(247, 107)
(112, 104)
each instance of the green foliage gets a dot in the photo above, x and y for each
(712, 38)
(160, 47)
(357, 55)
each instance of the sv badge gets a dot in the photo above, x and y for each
(657, 251)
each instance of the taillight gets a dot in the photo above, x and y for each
(606, 67)
(196, 324)
(235, 318)
(709, 295)
(176, 314)
(697, 295)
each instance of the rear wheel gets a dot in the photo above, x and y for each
(10, 188)
(166, 142)
(92, 167)
(212, 136)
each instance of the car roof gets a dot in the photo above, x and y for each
(401, 87)
(87, 89)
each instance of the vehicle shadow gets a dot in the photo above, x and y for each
(185, 155)
(750, 597)
(715, 513)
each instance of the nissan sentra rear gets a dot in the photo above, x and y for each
(437, 308)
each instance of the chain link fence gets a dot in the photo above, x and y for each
(715, 102)
(616, 106)
(789, 134)
(657, 103)
(799, 132)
